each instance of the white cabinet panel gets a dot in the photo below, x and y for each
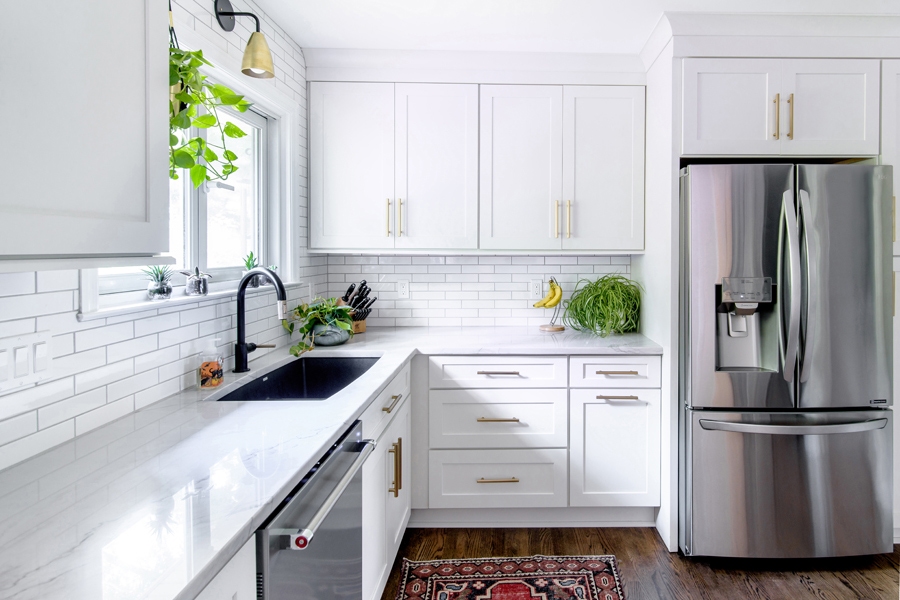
(237, 579)
(436, 166)
(603, 167)
(398, 505)
(729, 106)
(614, 447)
(384, 407)
(497, 371)
(835, 107)
(615, 371)
(521, 167)
(499, 418)
(83, 162)
(351, 176)
(890, 128)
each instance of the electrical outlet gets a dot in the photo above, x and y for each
(403, 289)
(536, 289)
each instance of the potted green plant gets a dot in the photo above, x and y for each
(159, 287)
(323, 322)
(197, 283)
(612, 304)
(251, 262)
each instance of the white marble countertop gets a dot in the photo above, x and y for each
(153, 505)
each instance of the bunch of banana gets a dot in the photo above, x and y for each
(552, 298)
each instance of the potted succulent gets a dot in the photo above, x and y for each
(251, 261)
(324, 322)
(197, 283)
(159, 287)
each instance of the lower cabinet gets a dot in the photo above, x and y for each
(614, 447)
(386, 500)
(237, 579)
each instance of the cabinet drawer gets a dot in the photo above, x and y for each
(615, 371)
(386, 405)
(498, 418)
(498, 371)
(497, 478)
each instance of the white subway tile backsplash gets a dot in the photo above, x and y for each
(156, 324)
(103, 415)
(71, 407)
(33, 305)
(155, 359)
(18, 427)
(28, 446)
(131, 385)
(15, 284)
(176, 336)
(103, 376)
(130, 348)
(78, 362)
(103, 336)
(54, 281)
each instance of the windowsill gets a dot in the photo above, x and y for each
(180, 300)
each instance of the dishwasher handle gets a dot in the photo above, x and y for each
(300, 539)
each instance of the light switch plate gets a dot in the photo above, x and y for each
(24, 360)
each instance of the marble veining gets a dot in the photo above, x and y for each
(154, 504)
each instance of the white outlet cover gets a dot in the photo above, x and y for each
(403, 289)
(536, 289)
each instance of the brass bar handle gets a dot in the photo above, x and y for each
(617, 398)
(556, 216)
(497, 373)
(497, 420)
(395, 484)
(266, 346)
(400, 207)
(400, 462)
(568, 218)
(507, 480)
(777, 134)
(390, 407)
(634, 373)
(790, 133)
(389, 217)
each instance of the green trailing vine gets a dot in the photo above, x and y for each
(306, 316)
(612, 304)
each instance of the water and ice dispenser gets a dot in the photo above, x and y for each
(743, 306)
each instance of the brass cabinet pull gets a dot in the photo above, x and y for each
(397, 450)
(389, 217)
(617, 398)
(393, 404)
(507, 480)
(556, 216)
(790, 133)
(400, 207)
(497, 373)
(568, 218)
(635, 373)
(497, 420)
(777, 134)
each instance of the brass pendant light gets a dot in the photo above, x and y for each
(257, 60)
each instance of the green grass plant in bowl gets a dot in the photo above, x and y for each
(612, 304)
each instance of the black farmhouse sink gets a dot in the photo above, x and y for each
(308, 378)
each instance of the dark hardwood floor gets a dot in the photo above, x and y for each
(649, 571)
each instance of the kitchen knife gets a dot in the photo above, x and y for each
(359, 286)
(346, 297)
(369, 302)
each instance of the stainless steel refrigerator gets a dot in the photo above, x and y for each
(785, 360)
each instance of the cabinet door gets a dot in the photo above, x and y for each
(436, 166)
(890, 131)
(398, 505)
(237, 579)
(521, 167)
(834, 109)
(729, 106)
(351, 160)
(614, 447)
(374, 537)
(603, 167)
(83, 162)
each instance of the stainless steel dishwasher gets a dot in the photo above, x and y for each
(311, 547)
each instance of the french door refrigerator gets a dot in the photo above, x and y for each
(785, 360)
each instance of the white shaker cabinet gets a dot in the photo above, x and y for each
(351, 164)
(237, 579)
(521, 167)
(83, 161)
(788, 107)
(436, 166)
(603, 167)
(890, 133)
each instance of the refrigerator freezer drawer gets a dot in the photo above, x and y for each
(788, 485)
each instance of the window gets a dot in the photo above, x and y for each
(216, 225)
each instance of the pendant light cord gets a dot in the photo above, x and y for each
(173, 39)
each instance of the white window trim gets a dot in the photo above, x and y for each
(283, 234)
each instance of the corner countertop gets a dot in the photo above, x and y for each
(154, 504)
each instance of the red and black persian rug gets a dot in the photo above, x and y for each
(521, 578)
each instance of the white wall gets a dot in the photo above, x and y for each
(106, 368)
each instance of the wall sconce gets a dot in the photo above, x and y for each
(257, 60)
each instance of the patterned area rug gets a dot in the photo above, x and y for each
(522, 578)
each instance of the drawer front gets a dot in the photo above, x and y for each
(388, 403)
(498, 418)
(498, 372)
(615, 371)
(497, 478)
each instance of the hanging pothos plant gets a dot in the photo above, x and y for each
(194, 102)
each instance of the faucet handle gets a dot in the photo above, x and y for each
(251, 346)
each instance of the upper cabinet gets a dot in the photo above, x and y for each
(790, 107)
(890, 130)
(83, 157)
(393, 166)
(562, 167)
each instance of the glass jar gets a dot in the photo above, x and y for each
(159, 290)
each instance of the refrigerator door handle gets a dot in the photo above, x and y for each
(812, 284)
(857, 427)
(789, 214)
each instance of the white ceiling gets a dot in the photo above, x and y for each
(586, 26)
